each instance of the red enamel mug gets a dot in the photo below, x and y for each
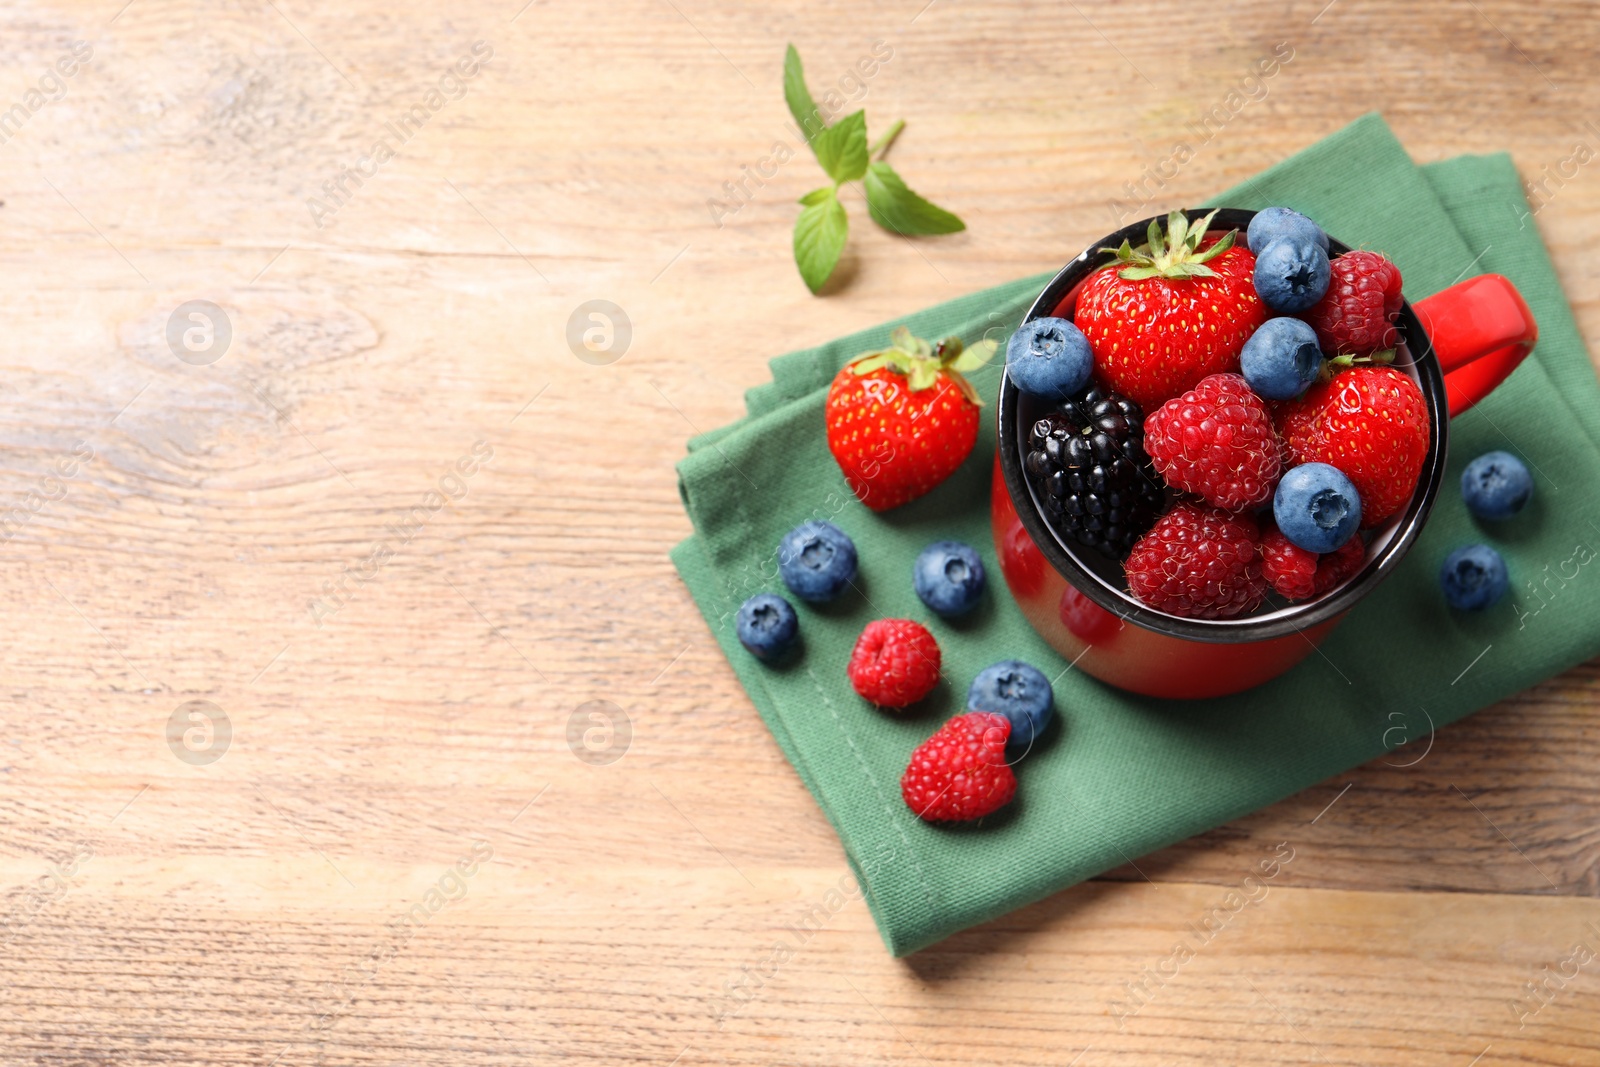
(1458, 345)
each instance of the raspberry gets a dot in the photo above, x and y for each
(1290, 569)
(960, 772)
(1372, 423)
(1341, 564)
(895, 663)
(1199, 562)
(1299, 575)
(1217, 442)
(1356, 314)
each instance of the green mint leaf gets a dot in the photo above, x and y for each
(819, 235)
(817, 196)
(893, 205)
(798, 97)
(975, 357)
(842, 148)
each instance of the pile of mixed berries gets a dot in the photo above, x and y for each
(1224, 418)
(1277, 431)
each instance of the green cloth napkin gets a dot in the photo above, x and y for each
(1122, 775)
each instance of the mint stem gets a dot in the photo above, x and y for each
(881, 146)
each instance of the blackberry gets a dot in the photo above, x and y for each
(1086, 461)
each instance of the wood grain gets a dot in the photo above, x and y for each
(254, 910)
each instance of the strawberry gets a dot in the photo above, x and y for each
(960, 772)
(1168, 314)
(901, 420)
(1371, 422)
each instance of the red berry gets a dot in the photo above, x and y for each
(1372, 423)
(1287, 567)
(895, 663)
(901, 420)
(1356, 314)
(1160, 331)
(1299, 575)
(1217, 441)
(1340, 565)
(1199, 562)
(960, 772)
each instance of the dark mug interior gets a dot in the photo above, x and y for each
(1100, 578)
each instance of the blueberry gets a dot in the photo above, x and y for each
(1473, 577)
(1292, 274)
(1019, 692)
(949, 578)
(1281, 358)
(1317, 507)
(1049, 358)
(1496, 485)
(1276, 223)
(817, 560)
(767, 626)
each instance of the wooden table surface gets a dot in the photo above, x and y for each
(396, 538)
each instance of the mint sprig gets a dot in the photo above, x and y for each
(841, 148)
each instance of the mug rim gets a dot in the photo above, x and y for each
(1062, 554)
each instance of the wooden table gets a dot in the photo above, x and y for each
(396, 537)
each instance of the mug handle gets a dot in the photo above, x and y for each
(1481, 329)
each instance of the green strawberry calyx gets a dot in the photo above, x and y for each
(922, 363)
(1334, 364)
(1176, 255)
